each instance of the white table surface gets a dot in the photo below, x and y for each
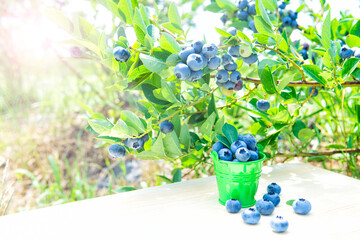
(190, 210)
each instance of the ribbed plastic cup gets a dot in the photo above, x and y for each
(237, 180)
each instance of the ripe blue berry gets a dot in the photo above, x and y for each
(294, 24)
(303, 52)
(316, 92)
(145, 138)
(273, 197)
(252, 59)
(274, 187)
(218, 146)
(182, 71)
(229, 85)
(242, 15)
(252, 26)
(198, 45)
(238, 86)
(226, 59)
(214, 63)
(233, 205)
(346, 52)
(252, 9)
(222, 76)
(235, 76)
(250, 141)
(205, 60)
(225, 154)
(166, 126)
(195, 62)
(253, 155)
(242, 4)
(293, 15)
(117, 151)
(234, 51)
(241, 137)
(287, 21)
(185, 52)
(196, 75)
(121, 54)
(301, 206)
(263, 105)
(306, 46)
(282, 5)
(224, 18)
(242, 154)
(134, 143)
(251, 216)
(231, 67)
(237, 144)
(235, 160)
(232, 31)
(265, 207)
(279, 224)
(209, 50)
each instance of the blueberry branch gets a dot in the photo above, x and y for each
(162, 29)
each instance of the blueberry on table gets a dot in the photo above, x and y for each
(237, 144)
(250, 141)
(231, 67)
(182, 71)
(242, 15)
(263, 105)
(185, 52)
(226, 59)
(279, 224)
(251, 9)
(234, 51)
(273, 197)
(195, 61)
(229, 85)
(166, 126)
(225, 154)
(242, 154)
(214, 63)
(121, 54)
(253, 58)
(222, 76)
(198, 45)
(251, 216)
(233, 205)
(253, 155)
(346, 52)
(209, 50)
(196, 75)
(232, 31)
(242, 4)
(301, 206)
(235, 76)
(265, 207)
(218, 146)
(117, 151)
(274, 187)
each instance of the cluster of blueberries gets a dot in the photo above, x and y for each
(246, 10)
(119, 151)
(242, 150)
(121, 54)
(195, 59)
(288, 17)
(266, 207)
(346, 52)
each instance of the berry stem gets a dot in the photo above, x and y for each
(167, 31)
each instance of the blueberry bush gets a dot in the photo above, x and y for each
(300, 98)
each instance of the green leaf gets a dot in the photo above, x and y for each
(223, 140)
(212, 106)
(263, 27)
(263, 13)
(326, 32)
(243, 36)
(349, 66)
(125, 6)
(100, 125)
(227, 5)
(336, 146)
(122, 130)
(147, 155)
(185, 138)
(176, 175)
(290, 202)
(298, 125)
(169, 43)
(352, 40)
(355, 30)
(270, 4)
(148, 91)
(158, 147)
(230, 132)
(219, 124)
(138, 20)
(267, 80)
(207, 127)
(223, 33)
(124, 189)
(163, 178)
(153, 64)
(314, 72)
(357, 111)
(172, 145)
(305, 135)
(213, 7)
(145, 15)
(167, 92)
(132, 121)
(173, 15)
(59, 19)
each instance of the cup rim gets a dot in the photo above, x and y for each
(214, 156)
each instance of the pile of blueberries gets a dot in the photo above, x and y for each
(287, 17)
(195, 59)
(118, 151)
(242, 150)
(121, 54)
(266, 207)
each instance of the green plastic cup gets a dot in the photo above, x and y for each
(237, 180)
